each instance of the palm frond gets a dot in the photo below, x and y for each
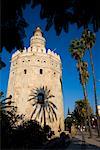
(33, 98)
(48, 114)
(34, 104)
(53, 112)
(7, 107)
(41, 118)
(50, 96)
(33, 94)
(44, 103)
(53, 104)
(34, 111)
(38, 113)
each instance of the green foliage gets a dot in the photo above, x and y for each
(2, 64)
(17, 133)
(89, 38)
(68, 122)
(80, 111)
(27, 135)
(5, 102)
(77, 48)
(83, 72)
(60, 14)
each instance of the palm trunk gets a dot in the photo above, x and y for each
(44, 118)
(85, 99)
(95, 95)
(87, 109)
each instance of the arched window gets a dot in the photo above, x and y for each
(41, 71)
(25, 71)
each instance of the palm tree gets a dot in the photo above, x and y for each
(4, 103)
(80, 111)
(77, 50)
(40, 97)
(89, 39)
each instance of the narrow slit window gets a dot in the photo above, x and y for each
(25, 71)
(41, 71)
(31, 48)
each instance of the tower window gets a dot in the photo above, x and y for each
(41, 71)
(25, 71)
(54, 74)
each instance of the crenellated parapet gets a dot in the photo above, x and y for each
(29, 51)
(51, 53)
(37, 46)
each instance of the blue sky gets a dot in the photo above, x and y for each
(72, 89)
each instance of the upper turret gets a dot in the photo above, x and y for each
(37, 44)
(37, 40)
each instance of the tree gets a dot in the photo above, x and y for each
(5, 102)
(80, 112)
(77, 50)
(89, 39)
(68, 122)
(40, 97)
(12, 24)
(60, 14)
(28, 135)
(2, 64)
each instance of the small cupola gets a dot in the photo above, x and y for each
(38, 32)
(37, 41)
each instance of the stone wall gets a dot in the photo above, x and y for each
(25, 75)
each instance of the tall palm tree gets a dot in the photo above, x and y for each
(42, 105)
(89, 39)
(5, 102)
(77, 50)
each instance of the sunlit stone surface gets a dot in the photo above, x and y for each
(25, 75)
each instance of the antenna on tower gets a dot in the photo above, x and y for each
(54, 49)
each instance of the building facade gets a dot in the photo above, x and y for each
(33, 68)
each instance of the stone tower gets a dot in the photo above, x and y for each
(34, 68)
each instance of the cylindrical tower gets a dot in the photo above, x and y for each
(34, 68)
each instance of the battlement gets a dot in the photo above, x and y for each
(37, 46)
(30, 51)
(50, 52)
